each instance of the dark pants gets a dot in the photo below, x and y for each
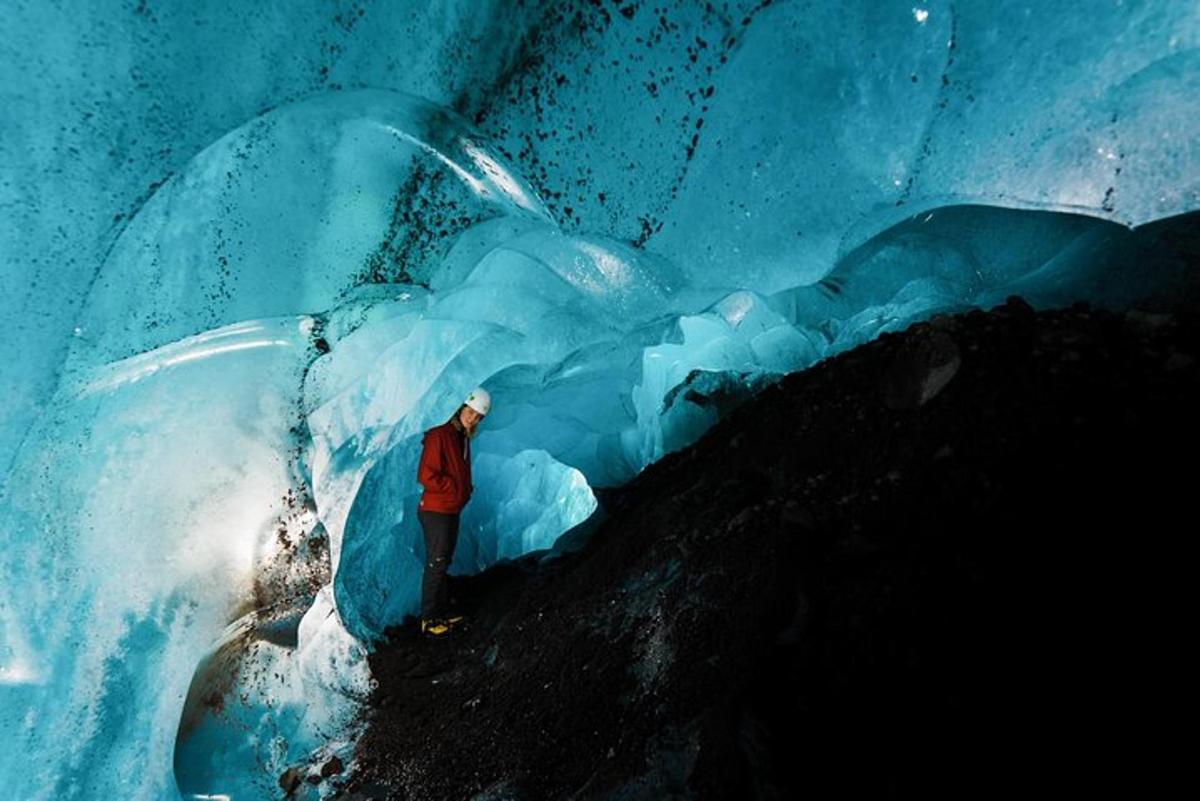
(441, 534)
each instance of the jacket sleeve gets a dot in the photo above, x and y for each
(430, 472)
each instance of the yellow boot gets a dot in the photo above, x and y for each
(434, 627)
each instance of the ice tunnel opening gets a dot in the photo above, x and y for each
(523, 502)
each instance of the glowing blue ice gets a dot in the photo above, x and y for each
(234, 304)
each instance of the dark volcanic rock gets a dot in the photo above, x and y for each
(923, 365)
(290, 779)
(946, 588)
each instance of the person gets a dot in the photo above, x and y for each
(445, 473)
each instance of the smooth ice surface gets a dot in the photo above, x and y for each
(292, 700)
(249, 257)
(137, 524)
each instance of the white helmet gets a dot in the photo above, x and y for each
(479, 400)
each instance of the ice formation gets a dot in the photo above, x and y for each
(235, 385)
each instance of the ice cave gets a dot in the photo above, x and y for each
(252, 252)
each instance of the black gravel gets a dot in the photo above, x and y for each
(947, 563)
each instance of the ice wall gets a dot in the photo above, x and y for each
(249, 255)
(129, 539)
(162, 493)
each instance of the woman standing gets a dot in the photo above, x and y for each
(445, 473)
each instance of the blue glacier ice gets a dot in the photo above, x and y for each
(248, 261)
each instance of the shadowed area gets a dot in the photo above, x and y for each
(886, 588)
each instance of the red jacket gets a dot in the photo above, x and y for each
(445, 469)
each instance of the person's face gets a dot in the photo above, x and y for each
(469, 418)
